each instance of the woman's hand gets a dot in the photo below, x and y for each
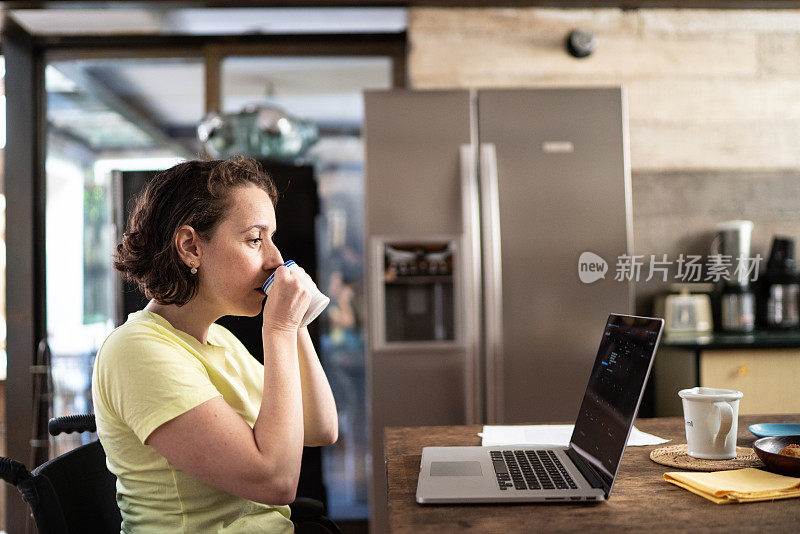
(287, 302)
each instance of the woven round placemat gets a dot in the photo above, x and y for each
(675, 456)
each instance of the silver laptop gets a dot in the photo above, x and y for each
(583, 471)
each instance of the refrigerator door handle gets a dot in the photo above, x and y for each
(470, 219)
(492, 282)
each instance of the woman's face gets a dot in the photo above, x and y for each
(240, 256)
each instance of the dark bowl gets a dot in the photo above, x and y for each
(767, 449)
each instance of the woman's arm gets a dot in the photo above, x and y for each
(320, 421)
(214, 444)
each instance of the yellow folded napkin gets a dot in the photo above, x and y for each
(737, 485)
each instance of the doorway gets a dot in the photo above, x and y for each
(114, 106)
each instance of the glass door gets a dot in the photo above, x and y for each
(125, 97)
(112, 120)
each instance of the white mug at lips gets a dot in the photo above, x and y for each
(711, 416)
(319, 301)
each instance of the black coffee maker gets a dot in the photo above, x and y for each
(779, 288)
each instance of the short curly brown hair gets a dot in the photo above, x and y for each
(194, 193)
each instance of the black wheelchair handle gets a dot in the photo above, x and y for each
(71, 423)
(13, 471)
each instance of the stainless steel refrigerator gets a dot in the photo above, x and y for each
(479, 206)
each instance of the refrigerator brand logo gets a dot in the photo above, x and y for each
(591, 267)
(558, 147)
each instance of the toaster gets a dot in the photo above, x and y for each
(685, 310)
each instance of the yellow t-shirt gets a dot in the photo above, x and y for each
(145, 374)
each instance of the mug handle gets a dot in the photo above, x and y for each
(725, 420)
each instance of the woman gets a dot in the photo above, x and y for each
(201, 437)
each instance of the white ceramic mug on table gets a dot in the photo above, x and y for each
(712, 422)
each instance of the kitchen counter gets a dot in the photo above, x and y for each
(764, 365)
(760, 339)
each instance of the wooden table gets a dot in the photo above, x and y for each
(641, 501)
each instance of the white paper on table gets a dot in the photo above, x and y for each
(557, 435)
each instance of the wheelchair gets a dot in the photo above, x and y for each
(76, 493)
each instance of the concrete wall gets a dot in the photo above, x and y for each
(714, 104)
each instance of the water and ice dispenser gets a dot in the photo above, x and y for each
(418, 290)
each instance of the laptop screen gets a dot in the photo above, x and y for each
(614, 392)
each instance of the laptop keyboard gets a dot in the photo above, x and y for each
(530, 470)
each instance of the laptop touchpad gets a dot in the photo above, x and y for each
(455, 469)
